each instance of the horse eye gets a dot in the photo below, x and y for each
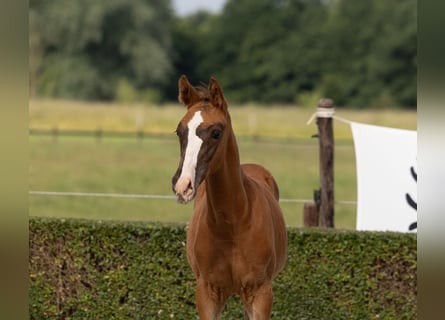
(216, 134)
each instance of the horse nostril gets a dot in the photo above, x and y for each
(183, 186)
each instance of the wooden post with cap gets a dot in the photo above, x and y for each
(326, 143)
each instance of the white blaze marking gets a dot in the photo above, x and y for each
(191, 152)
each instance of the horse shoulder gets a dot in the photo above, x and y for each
(257, 177)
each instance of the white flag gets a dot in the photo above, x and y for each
(386, 161)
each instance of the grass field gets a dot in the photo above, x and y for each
(126, 165)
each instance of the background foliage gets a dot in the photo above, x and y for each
(94, 270)
(95, 49)
(361, 53)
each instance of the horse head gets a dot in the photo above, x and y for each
(203, 133)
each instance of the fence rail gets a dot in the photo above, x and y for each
(145, 196)
(98, 133)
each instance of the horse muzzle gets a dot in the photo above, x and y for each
(184, 190)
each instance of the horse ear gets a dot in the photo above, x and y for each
(187, 93)
(216, 94)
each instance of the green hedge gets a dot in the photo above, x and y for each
(107, 270)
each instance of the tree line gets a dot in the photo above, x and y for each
(362, 54)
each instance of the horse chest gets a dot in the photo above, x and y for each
(226, 263)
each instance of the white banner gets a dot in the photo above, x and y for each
(386, 161)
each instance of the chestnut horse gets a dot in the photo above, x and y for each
(236, 239)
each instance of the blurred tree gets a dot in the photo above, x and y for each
(188, 50)
(372, 49)
(89, 46)
(35, 51)
(360, 53)
(265, 51)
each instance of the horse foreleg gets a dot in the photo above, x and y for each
(258, 305)
(210, 301)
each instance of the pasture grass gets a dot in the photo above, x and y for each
(276, 137)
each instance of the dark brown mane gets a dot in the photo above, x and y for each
(203, 92)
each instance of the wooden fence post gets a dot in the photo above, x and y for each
(310, 214)
(326, 143)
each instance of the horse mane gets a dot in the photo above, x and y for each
(204, 95)
(203, 91)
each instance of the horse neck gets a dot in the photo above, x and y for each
(226, 196)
